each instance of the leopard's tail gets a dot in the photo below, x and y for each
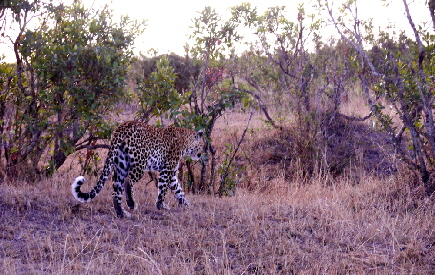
(79, 181)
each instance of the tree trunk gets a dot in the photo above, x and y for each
(212, 169)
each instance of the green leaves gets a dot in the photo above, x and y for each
(211, 34)
(157, 93)
(75, 62)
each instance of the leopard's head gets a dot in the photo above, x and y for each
(195, 146)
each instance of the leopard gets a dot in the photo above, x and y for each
(136, 148)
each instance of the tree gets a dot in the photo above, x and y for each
(301, 77)
(401, 71)
(208, 100)
(156, 90)
(71, 72)
(186, 72)
(12, 12)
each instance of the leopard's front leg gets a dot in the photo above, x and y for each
(169, 178)
(177, 190)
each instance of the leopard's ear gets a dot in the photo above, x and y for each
(200, 132)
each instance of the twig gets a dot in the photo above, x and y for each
(353, 118)
(225, 173)
(97, 234)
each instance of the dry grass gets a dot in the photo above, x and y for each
(274, 225)
(376, 227)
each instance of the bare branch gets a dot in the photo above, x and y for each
(414, 29)
(358, 48)
(431, 4)
(93, 147)
(259, 100)
(352, 118)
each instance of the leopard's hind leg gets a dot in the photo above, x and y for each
(121, 171)
(134, 176)
(162, 187)
(129, 193)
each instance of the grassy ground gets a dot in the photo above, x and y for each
(274, 225)
(376, 227)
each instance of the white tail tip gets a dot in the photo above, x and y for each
(75, 187)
